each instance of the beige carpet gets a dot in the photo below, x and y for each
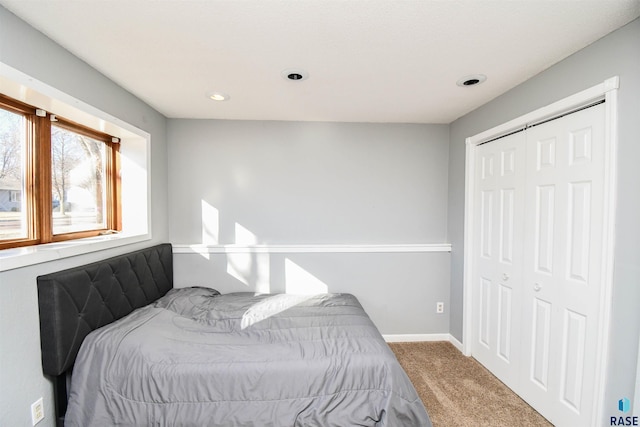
(459, 392)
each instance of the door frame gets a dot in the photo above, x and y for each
(607, 91)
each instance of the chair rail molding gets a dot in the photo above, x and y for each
(307, 248)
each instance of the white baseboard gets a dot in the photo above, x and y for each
(457, 344)
(424, 338)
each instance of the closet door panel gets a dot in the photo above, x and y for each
(498, 256)
(562, 264)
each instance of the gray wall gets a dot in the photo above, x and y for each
(317, 183)
(398, 291)
(29, 51)
(309, 183)
(616, 54)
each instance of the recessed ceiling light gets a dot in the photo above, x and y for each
(472, 80)
(218, 96)
(295, 74)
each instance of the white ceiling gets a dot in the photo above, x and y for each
(368, 61)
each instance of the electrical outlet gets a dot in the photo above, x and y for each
(37, 411)
(440, 307)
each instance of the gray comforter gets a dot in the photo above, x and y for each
(198, 358)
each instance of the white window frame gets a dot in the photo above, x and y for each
(135, 171)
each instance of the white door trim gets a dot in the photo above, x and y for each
(608, 90)
(636, 398)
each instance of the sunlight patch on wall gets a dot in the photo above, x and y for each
(210, 224)
(299, 281)
(240, 266)
(252, 269)
(244, 237)
(263, 273)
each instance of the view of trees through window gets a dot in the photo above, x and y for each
(59, 180)
(12, 144)
(78, 170)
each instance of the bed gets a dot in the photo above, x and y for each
(146, 354)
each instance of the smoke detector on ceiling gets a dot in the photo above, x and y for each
(472, 80)
(295, 74)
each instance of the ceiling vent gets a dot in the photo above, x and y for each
(295, 74)
(472, 80)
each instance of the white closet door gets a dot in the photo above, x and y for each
(497, 286)
(562, 265)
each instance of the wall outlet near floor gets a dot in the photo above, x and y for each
(440, 307)
(37, 411)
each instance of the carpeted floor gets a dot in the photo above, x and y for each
(459, 392)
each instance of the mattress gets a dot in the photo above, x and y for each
(198, 358)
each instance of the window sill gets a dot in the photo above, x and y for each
(30, 255)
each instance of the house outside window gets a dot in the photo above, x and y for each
(58, 180)
(16, 196)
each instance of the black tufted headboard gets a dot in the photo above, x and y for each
(74, 302)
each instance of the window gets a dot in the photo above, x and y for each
(58, 180)
(13, 218)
